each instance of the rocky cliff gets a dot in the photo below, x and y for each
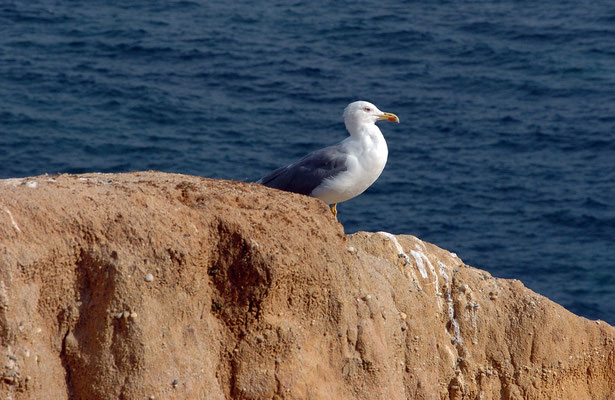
(159, 286)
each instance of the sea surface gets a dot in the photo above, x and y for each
(505, 153)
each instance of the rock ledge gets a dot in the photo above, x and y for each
(154, 285)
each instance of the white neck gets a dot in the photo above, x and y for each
(362, 129)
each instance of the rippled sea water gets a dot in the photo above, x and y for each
(505, 153)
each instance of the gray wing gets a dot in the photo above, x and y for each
(305, 175)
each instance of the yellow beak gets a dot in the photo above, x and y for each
(389, 117)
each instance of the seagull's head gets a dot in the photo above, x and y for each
(363, 112)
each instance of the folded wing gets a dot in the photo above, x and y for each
(308, 173)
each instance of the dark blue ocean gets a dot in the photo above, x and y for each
(505, 153)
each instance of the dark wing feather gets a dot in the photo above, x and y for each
(305, 175)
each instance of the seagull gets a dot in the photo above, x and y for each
(345, 170)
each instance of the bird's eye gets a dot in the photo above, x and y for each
(367, 109)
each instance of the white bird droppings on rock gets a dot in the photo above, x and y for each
(12, 220)
(13, 181)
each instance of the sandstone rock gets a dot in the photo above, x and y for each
(253, 293)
